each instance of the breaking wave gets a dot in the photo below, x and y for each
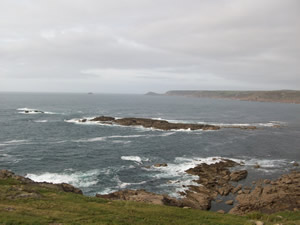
(136, 159)
(14, 142)
(78, 179)
(34, 111)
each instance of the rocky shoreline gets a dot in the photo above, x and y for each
(215, 181)
(160, 124)
(221, 179)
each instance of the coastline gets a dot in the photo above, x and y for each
(277, 96)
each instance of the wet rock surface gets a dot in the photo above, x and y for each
(214, 180)
(219, 179)
(158, 124)
(269, 197)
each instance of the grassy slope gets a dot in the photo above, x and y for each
(55, 207)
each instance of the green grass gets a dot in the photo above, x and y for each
(55, 207)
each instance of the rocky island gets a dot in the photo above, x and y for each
(159, 124)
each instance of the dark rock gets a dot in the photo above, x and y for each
(236, 189)
(238, 175)
(160, 164)
(295, 164)
(103, 119)
(158, 124)
(229, 202)
(282, 194)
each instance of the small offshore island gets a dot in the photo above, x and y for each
(160, 124)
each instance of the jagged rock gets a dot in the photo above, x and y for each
(256, 166)
(142, 196)
(221, 211)
(103, 119)
(229, 202)
(295, 164)
(160, 164)
(237, 189)
(238, 175)
(283, 194)
(267, 181)
(70, 188)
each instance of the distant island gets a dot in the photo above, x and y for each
(283, 96)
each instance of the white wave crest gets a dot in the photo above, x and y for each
(77, 179)
(34, 111)
(14, 142)
(136, 159)
(41, 121)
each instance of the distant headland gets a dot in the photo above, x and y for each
(283, 96)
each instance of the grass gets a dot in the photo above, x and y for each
(49, 206)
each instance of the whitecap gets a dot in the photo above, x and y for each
(136, 159)
(34, 111)
(14, 142)
(78, 179)
(41, 121)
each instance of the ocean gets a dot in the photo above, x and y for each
(54, 147)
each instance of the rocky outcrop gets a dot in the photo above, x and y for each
(163, 124)
(158, 124)
(142, 196)
(214, 179)
(33, 111)
(238, 175)
(160, 165)
(279, 195)
(5, 174)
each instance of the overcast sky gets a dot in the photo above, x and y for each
(135, 46)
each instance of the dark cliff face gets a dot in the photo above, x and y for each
(284, 96)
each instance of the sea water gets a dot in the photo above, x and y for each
(53, 147)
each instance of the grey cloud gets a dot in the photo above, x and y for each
(149, 45)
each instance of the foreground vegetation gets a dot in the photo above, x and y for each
(30, 203)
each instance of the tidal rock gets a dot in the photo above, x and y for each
(159, 124)
(103, 119)
(160, 164)
(282, 194)
(229, 202)
(238, 175)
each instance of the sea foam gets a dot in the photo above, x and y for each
(78, 179)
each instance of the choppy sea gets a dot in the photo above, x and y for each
(54, 147)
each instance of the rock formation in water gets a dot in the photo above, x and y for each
(271, 196)
(159, 124)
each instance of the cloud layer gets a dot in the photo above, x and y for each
(126, 46)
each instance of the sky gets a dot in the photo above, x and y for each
(136, 46)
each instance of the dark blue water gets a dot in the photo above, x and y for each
(100, 159)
